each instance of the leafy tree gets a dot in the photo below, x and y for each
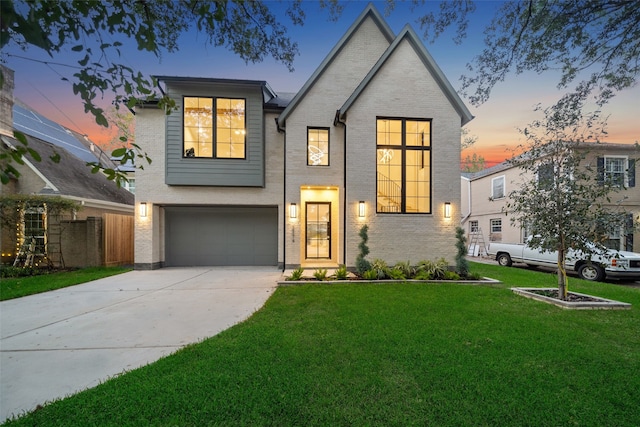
(473, 163)
(594, 43)
(467, 140)
(124, 122)
(561, 197)
(97, 30)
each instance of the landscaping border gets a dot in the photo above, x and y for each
(485, 280)
(596, 303)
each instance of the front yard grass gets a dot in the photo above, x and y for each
(390, 355)
(17, 287)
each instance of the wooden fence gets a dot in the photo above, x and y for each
(118, 239)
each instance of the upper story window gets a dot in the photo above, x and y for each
(614, 170)
(619, 171)
(318, 146)
(214, 128)
(130, 185)
(497, 188)
(546, 176)
(403, 165)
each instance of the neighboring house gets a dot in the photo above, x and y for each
(70, 179)
(243, 175)
(485, 194)
(128, 169)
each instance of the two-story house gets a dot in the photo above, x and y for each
(246, 176)
(484, 196)
(71, 239)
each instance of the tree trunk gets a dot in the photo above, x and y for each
(562, 276)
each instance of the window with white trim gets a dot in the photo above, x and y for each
(496, 225)
(497, 188)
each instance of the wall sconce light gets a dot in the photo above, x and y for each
(293, 211)
(361, 209)
(447, 210)
(143, 210)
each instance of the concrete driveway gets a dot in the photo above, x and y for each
(61, 342)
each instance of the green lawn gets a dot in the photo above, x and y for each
(22, 286)
(390, 355)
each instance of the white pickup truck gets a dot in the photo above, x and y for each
(612, 264)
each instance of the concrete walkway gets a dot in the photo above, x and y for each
(61, 342)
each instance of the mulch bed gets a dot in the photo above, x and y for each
(571, 297)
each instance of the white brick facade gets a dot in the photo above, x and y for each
(384, 76)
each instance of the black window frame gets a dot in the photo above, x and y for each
(403, 147)
(310, 128)
(214, 130)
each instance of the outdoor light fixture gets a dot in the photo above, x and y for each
(361, 209)
(143, 209)
(447, 210)
(293, 211)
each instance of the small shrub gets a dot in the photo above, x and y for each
(473, 276)
(296, 274)
(320, 274)
(380, 267)
(422, 275)
(451, 275)
(341, 273)
(434, 270)
(396, 274)
(10, 271)
(462, 265)
(405, 268)
(362, 264)
(370, 275)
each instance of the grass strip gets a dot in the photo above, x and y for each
(390, 355)
(22, 286)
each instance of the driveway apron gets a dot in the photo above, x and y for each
(58, 343)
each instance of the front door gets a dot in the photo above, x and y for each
(318, 230)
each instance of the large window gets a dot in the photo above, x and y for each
(318, 146)
(214, 128)
(403, 166)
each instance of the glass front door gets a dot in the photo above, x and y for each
(318, 230)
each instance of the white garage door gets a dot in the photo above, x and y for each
(203, 236)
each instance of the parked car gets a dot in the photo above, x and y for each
(595, 267)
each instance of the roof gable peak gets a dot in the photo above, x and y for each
(370, 12)
(408, 34)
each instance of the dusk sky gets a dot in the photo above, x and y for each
(496, 122)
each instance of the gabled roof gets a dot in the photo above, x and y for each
(587, 146)
(71, 176)
(369, 12)
(410, 35)
(488, 171)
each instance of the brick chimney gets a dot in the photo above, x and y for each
(6, 102)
